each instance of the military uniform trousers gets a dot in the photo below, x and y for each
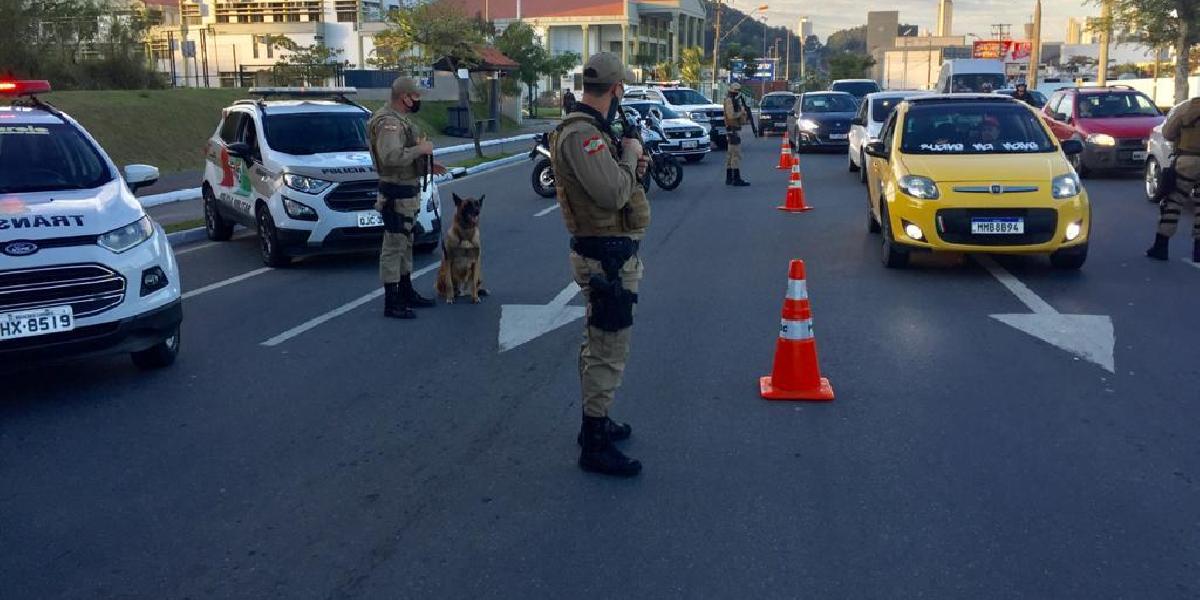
(396, 255)
(1187, 177)
(603, 354)
(733, 152)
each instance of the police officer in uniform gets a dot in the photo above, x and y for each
(402, 156)
(737, 114)
(606, 213)
(1182, 129)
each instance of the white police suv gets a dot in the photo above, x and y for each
(83, 270)
(294, 164)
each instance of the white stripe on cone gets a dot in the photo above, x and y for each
(795, 330)
(797, 289)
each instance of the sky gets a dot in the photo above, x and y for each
(970, 16)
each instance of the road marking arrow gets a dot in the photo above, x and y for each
(1089, 337)
(520, 323)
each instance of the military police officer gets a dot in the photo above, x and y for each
(402, 156)
(606, 213)
(1182, 129)
(737, 114)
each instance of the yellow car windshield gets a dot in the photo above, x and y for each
(990, 128)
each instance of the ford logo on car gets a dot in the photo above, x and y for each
(20, 248)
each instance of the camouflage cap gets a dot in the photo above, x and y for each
(405, 85)
(735, 87)
(606, 68)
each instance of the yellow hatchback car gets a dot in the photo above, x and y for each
(975, 173)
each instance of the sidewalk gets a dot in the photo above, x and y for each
(193, 210)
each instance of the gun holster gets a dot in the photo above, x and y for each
(394, 222)
(735, 138)
(611, 303)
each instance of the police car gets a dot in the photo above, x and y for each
(83, 270)
(688, 102)
(293, 163)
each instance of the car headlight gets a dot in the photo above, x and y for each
(919, 187)
(1065, 186)
(1101, 139)
(807, 124)
(305, 184)
(697, 116)
(125, 238)
(299, 210)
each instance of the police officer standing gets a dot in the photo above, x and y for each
(402, 157)
(1182, 129)
(737, 114)
(606, 213)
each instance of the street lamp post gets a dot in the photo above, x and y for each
(717, 37)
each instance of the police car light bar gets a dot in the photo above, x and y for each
(27, 87)
(302, 92)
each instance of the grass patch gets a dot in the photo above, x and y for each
(475, 160)
(183, 225)
(547, 112)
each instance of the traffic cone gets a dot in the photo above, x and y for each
(795, 192)
(785, 155)
(795, 374)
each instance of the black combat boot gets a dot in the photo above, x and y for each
(599, 455)
(737, 179)
(1196, 251)
(728, 176)
(394, 305)
(1159, 250)
(616, 431)
(411, 297)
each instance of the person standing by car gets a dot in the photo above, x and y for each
(400, 154)
(568, 102)
(1022, 94)
(606, 214)
(737, 114)
(1183, 130)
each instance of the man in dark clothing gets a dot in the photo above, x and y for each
(568, 102)
(1022, 94)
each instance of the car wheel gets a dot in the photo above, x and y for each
(862, 171)
(1070, 258)
(159, 355)
(268, 240)
(215, 226)
(694, 158)
(1152, 176)
(850, 166)
(1080, 168)
(894, 257)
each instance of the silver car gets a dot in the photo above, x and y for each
(1158, 154)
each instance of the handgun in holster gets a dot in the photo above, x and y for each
(394, 222)
(611, 303)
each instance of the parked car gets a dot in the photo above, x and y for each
(822, 120)
(684, 137)
(773, 112)
(1113, 122)
(1158, 155)
(866, 125)
(686, 101)
(858, 88)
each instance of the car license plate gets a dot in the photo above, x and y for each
(999, 226)
(28, 323)
(839, 136)
(689, 145)
(1139, 156)
(370, 219)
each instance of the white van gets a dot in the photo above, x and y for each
(971, 75)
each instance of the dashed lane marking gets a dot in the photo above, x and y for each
(546, 211)
(220, 284)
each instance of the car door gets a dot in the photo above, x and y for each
(241, 193)
(858, 131)
(880, 170)
(225, 167)
(1051, 112)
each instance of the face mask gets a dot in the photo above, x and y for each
(415, 107)
(612, 109)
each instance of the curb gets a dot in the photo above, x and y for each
(187, 236)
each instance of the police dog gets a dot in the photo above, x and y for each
(461, 271)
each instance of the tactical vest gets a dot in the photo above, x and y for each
(1189, 134)
(582, 216)
(406, 172)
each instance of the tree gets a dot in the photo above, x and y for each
(519, 43)
(1159, 24)
(304, 65)
(1075, 64)
(691, 66)
(852, 40)
(849, 66)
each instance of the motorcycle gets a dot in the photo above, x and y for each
(543, 173)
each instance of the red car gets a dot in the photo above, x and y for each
(1113, 123)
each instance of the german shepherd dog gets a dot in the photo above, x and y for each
(461, 272)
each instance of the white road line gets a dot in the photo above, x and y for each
(337, 312)
(546, 211)
(220, 284)
(1188, 261)
(1014, 285)
(193, 248)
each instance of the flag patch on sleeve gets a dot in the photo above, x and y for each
(593, 144)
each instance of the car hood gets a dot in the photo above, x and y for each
(987, 168)
(776, 111)
(332, 166)
(1120, 127)
(703, 107)
(680, 124)
(828, 117)
(69, 213)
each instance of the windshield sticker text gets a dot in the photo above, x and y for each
(984, 147)
(1020, 146)
(26, 130)
(942, 147)
(40, 221)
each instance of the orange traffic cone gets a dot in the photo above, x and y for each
(785, 155)
(795, 192)
(795, 374)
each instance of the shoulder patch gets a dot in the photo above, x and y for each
(593, 144)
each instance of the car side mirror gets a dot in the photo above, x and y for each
(876, 149)
(140, 176)
(1071, 147)
(858, 121)
(240, 150)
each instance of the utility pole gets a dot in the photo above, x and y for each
(787, 64)
(1035, 52)
(183, 40)
(716, 45)
(1105, 34)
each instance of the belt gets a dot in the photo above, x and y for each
(398, 190)
(605, 248)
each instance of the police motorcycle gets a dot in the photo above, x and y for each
(543, 173)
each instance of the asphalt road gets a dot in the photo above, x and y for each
(368, 458)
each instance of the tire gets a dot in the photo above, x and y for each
(872, 224)
(694, 158)
(1071, 258)
(215, 226)
(862, 171)
(893, 256)
(669, 173)
(268, 240)
(1080, 168)
(542, 179)
(850, 166)
(1151, 176)
(159, 355)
